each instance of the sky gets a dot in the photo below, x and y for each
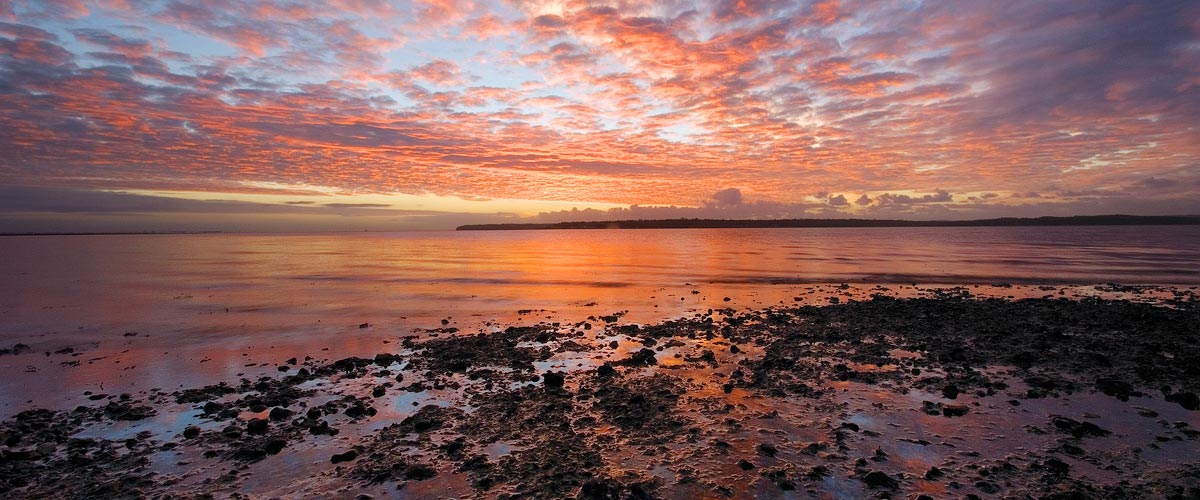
(142, 115)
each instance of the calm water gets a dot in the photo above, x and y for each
(206, 306)
(158, 281)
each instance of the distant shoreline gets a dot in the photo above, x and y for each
(1083, 220)
(112, 233)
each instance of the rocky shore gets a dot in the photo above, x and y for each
(943, 397)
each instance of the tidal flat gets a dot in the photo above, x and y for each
(943, 395)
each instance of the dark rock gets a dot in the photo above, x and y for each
(232, 432)
(950, 391)
(733, 349)
(278, 414)
(1188, 400)
(553, 380)
(378, 391)
(274, 446)
(605, 370)
(191, 432)
(1115, 388)
(212, 407)
(344, 457)
(364, 325)
(766, 449)
(934, 473)
(256, 426)
(876, 479)
(1078, 429)
(642, 357)
(954, 410)
(745, 464)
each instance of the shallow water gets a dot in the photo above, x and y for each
(143, 311)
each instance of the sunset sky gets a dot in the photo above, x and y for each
(366, 114)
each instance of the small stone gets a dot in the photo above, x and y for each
(191, 432)
(232, 432)
(745, 464)
(733, 349)
(379, 391)
(766, 449)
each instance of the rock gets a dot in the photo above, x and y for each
(733, 349)
(745, 464)
(553, 380)
(950, 391)
(954, 410)
(274, 446)
(934, 473)
(605, 370)
(232, 432)
(256, 426)
(766, 449)
(378, 391)
(1188, 400)
(212, 407)
(850, 425)
(191, 432)
(1078, 429)
(278, 413)
(1115, 388)
(642, 357)
(364, 325)
(876, 479)
(344, 457)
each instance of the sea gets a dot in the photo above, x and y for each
(175, 310)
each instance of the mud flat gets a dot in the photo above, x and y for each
(945, 396)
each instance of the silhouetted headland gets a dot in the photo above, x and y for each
(1080, 220)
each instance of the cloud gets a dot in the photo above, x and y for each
(640, 103)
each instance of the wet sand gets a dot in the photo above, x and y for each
(1046, 392)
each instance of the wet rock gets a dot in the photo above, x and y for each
(605, 370)
(641, 358)
(278, 414)
(344, 457)
(256, 426)
(1115, 388)
(950, 391)
(880, 480)
(954, 410)
(553, 380)
(1078, 429)
(1188, 400)
(934, 473)
(213, 407)
(274, 446)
